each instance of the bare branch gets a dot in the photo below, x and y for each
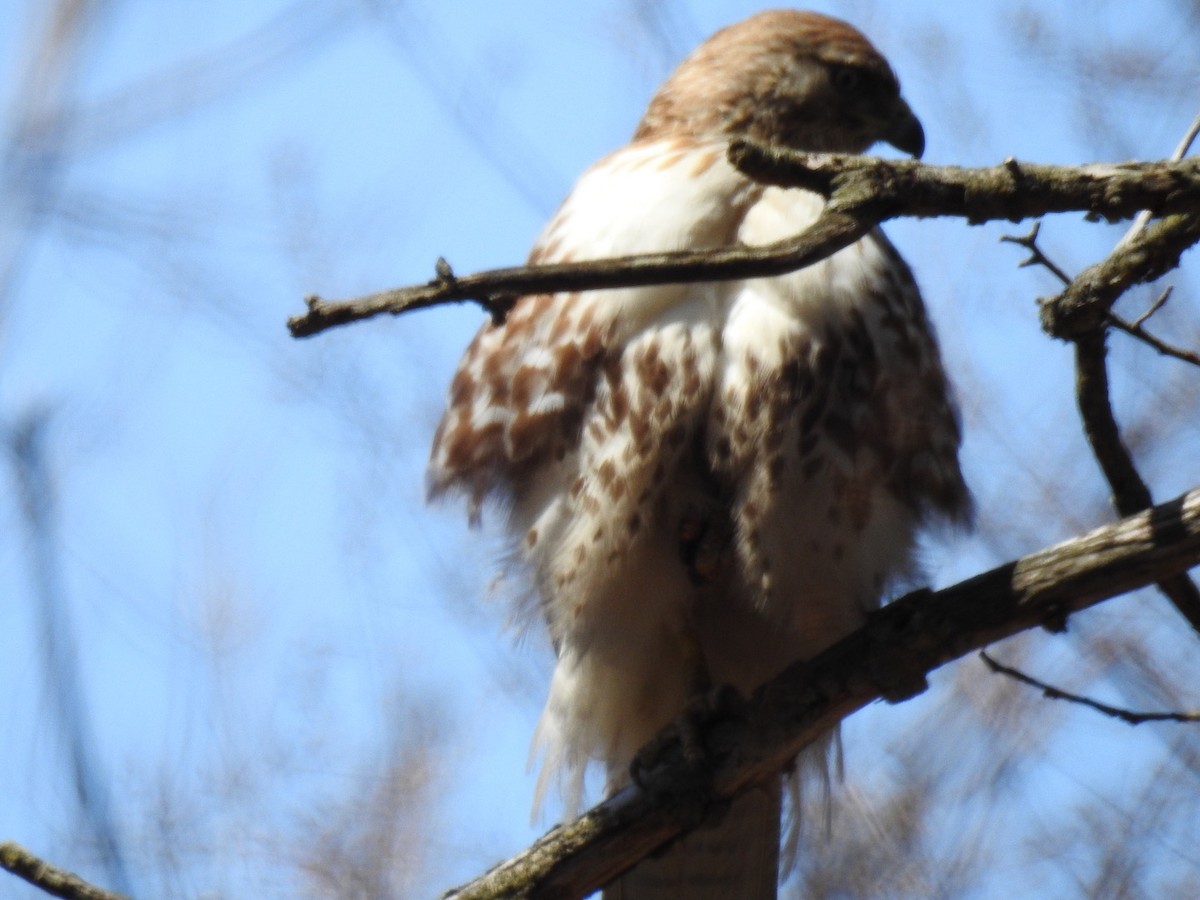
(54, 881)
(1189, 138)
(1012, 190)
(1036, 256)
(1154, 307)
(1130, 492)
(1136, 330)
(495, 289)
(889, 658)
(1125, 715)
(1085, 304)
(862, 191)
(1081, 314)
(1143, 218)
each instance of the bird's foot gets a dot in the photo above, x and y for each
(677, 768)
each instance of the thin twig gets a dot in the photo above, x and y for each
(1136, 330)
(54, 881)
(1125, 715)
(1189, 138)
(1036, 256)
(1158, 304)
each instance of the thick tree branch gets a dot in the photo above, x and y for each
(1012, 190)
(54, 881)
(889, 658)
(862, 191)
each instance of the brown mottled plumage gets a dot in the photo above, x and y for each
(709, 481)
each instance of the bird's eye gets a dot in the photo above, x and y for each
(846, 79)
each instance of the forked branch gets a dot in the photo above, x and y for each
(862, 191)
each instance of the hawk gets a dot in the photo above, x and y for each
(707, 482)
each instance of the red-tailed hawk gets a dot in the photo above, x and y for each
(707, 482)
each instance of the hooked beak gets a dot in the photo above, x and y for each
(904, 132)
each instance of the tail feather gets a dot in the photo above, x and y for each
(737, 857)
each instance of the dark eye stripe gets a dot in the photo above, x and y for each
(851, 78)
(846, 78)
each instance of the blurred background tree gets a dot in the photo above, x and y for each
(242, 658)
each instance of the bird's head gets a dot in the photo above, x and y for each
(799, 79)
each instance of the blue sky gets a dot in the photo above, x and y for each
(249, 570)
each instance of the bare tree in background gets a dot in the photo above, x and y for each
(153, 832)
(908, 819)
